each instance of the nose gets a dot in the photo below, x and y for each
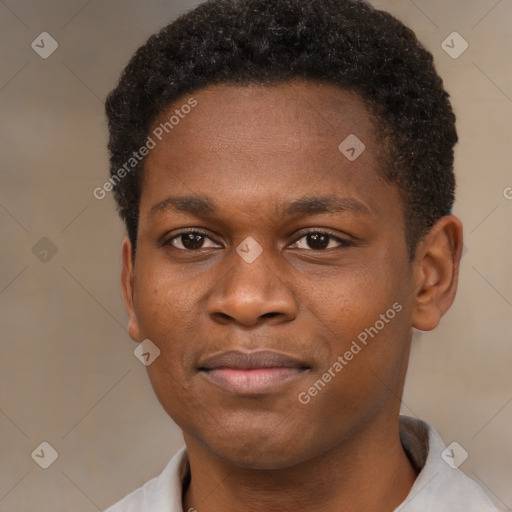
(250, 294)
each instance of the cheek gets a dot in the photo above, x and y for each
(162, 304)
(164, 319)
(368, 320)
(353, 299)
(165, 313)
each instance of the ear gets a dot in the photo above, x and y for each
(436, 272)
(127, 287)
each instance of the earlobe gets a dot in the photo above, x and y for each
(127, 288)
(436, 272)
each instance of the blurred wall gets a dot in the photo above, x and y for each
(68, 375)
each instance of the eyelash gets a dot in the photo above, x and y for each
(343, 242)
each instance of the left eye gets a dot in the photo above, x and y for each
(319, 241)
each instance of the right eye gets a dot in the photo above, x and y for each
(191, 240)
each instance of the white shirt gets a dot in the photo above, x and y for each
(438, 486)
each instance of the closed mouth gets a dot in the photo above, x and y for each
(249, 373)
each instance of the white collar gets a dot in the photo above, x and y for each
(438, 487)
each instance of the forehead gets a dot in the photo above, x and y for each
(286, 113)
(261, 141)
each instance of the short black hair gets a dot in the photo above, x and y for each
(348, 43)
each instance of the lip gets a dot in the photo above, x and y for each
(250, 373)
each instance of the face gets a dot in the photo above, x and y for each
(264, 257)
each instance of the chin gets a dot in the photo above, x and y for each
(259, 449)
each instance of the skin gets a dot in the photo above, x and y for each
(251, 150)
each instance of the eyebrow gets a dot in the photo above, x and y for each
(202, 206)
(324, 204)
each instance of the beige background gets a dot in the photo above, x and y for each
(68, 375)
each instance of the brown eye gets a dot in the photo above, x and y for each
(319, 241)
(191, 241)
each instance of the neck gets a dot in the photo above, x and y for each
(366, 471)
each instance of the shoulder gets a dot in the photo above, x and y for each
(440, 485)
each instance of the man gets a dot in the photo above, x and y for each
(285, 172)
